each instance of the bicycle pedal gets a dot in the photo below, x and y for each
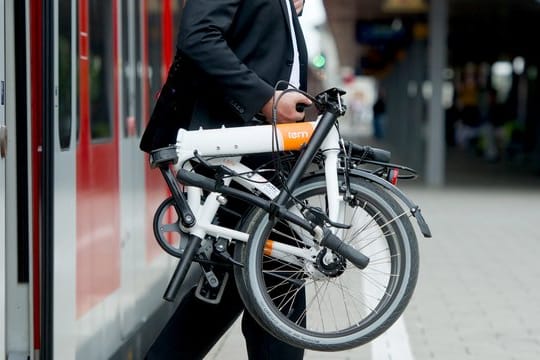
(211, 293)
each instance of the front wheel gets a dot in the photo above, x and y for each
(312, 298)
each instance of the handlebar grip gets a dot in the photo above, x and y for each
(356, 257)
(300, 107)
(370, 153)
(334, 243)
(182, 268)
(381, 155)
(192, 178)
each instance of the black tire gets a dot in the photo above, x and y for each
(353, 306)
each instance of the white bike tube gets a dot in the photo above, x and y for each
(220, 231)
(330, 148)
(194, 198)
(204, 214)
(283, 251)
(234, 142)
(243, 140)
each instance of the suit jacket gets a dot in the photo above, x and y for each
(230, 55)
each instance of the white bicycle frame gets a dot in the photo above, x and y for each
(225, 146)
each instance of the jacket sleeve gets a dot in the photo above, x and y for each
(202, 39)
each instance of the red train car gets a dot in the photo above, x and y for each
(83, 274)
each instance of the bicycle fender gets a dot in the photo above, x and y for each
(413, 208)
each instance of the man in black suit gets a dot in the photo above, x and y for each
(231, 53)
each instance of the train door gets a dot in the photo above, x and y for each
(157, 48)
(140, 28)
(157, 57)
(64, 130)
(131, 163)
(98, 244)
(3, 149)
(131, 69)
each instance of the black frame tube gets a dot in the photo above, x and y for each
(306, 157)
(182, 268)
(269, 206)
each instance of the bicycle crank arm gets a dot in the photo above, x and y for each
(163, 158)
(334, 243)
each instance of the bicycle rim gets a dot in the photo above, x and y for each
(323, 302)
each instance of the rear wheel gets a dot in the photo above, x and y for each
(318, 300)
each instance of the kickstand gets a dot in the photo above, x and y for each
(211, 286)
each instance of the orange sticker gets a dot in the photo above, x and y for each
(268, 245)
(296, 135)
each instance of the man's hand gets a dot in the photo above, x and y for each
(286, 107)
(298, 5)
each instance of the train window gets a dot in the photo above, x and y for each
(101, 69)
(131, 57)
(65, 73)
(128, 70)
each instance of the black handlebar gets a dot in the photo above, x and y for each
(334, 243)
(301, 107)
(368, 152)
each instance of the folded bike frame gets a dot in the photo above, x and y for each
(225, 147)
(230, 142)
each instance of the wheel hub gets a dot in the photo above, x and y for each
(330, 264)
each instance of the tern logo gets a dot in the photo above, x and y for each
(298, 135)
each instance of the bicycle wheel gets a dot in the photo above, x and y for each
(318, 300)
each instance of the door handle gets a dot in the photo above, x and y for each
(3, 141)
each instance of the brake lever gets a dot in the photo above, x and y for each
(330, 99)
(318, 217)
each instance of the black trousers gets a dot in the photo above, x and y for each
(196, 326)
